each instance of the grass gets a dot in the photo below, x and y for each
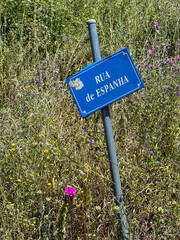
(47, 146)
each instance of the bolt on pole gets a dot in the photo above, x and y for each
(109, 138)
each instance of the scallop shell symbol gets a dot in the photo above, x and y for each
(77, 84)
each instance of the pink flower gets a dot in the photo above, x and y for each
(149, 51)
(151, 66)
(70, 192)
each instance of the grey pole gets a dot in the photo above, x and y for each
(109, 139)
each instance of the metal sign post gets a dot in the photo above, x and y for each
(109, 139)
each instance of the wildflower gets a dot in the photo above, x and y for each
(11, 150)
(13, 144)
(149, 51)
(151, 66)
(70, 192)
(46, 150)
(146, 43)
(49, 184)
(157, 27)
(19, 180)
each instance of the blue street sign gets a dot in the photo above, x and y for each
(104, 82)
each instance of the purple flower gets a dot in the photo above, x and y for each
(149, 51)
(157, 27)
(70, 192)
(139, 12)
(146, 44)
(151, 66)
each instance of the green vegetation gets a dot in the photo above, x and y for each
(46, 146)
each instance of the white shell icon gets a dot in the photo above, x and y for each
(77, 84)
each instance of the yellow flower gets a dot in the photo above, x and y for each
(35, 143)
(48, 157)
(13, 144)
(21, 139)
(11, 149)
(49, 184)
(19, 180)
(46, 150)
